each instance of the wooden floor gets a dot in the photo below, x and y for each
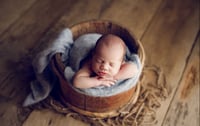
(168, 30)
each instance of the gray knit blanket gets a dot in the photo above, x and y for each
(73, 52)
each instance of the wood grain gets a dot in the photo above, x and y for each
(82, 11)
(49, 118)
(168, 41)
(11, 11)
(11, 114)
(136, 15)
(184, 109)
(17, 43)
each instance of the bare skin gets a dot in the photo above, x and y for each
(106, 66)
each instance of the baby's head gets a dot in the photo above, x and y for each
(108, 55)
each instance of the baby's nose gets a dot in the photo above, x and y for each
(104, 66)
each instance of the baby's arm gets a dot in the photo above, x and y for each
(83, 79)
(127, 70)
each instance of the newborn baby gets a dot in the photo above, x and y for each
(107, 64)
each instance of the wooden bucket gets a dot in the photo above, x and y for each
(100, 107)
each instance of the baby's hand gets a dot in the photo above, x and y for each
(107, 81)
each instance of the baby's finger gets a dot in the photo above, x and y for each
(108, 83)
(108, 79)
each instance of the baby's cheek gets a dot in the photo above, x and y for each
(115, 71)
(94, 68)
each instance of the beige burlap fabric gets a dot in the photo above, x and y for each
(154, 90)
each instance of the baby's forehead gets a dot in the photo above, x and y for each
(111, 40)
(110, 58)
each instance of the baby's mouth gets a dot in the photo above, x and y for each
(101, 73)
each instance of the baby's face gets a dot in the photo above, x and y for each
(106, 61)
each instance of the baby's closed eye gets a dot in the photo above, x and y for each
(99, 61)
(112, 64)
